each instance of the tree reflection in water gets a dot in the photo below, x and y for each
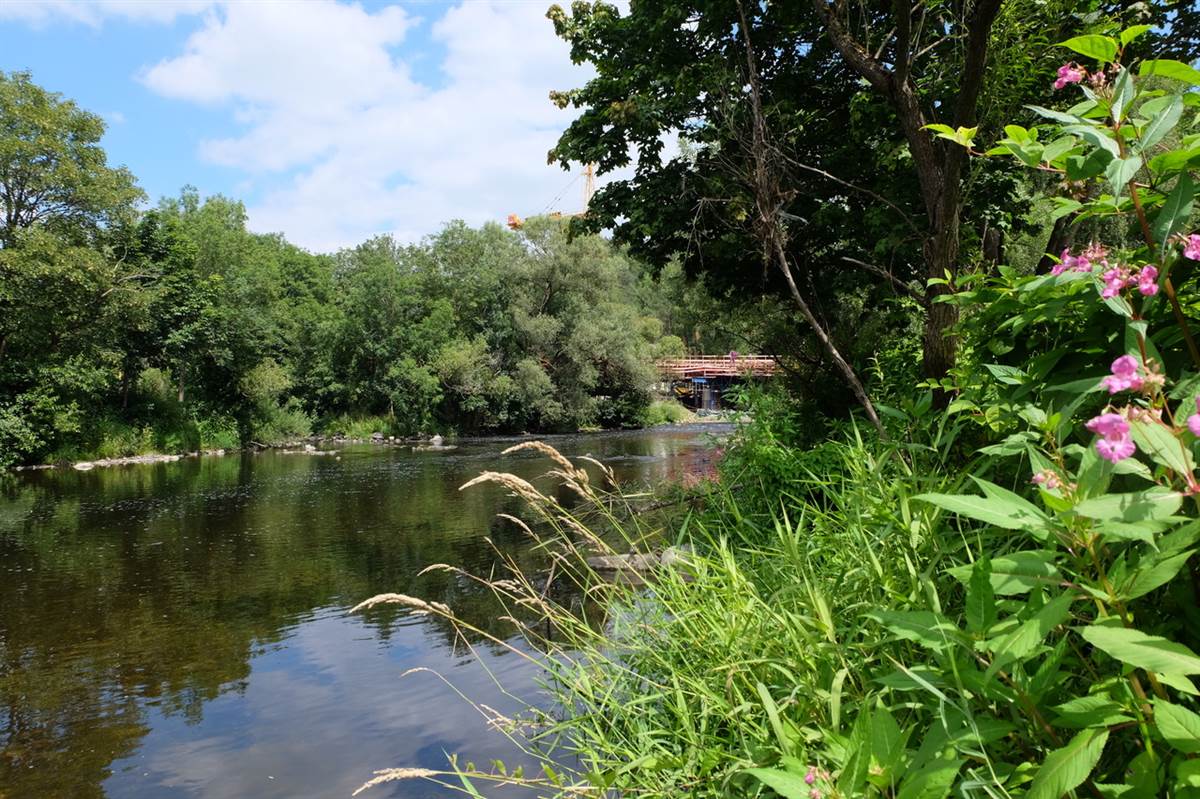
(180, 630)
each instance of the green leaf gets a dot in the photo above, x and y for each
(921, 626)
(1081, 167)
(784, 783)
(1167, 68)
(1178, 725)
(1122, 94)
(1149, 652)
(1017, 572)
(887, 744)
(1022, 510)
(1127, 531)
(1059, 116)
(932, 781)
(1153, 503)
(981, 597)
(772, 710)
(1089, 711)
(1122, 170)
(1065, 769)
(1160, 443)
(1102, 48)
(1179, 682)
(1132, 32)
(1058, 148)
(997, 510)
(1175, 211)
(1180, 539)
(1097, 137)
(1187, 777)
(1026, 638)
(1174, 160)
(1161, 124)
(1159, 573)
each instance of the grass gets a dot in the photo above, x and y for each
(360, 427)
(745, 655)
(667, 412)
(113, 438)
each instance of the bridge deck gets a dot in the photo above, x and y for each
(717, 366)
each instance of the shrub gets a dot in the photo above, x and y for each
(666, 412)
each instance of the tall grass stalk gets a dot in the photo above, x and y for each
(735, 655)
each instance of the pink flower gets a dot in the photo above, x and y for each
(1115, 449)
(1109, 425)
(1193, 421)
(1125, 376)
(1114, 443)
(1147, 281)
(1047, 479)
(1114, 281)
(1094, 254)
(1191, 247)
(810, 777)
(814, 794)
(1065, 262)
(1069, 73)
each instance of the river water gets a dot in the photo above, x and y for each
(180, 629)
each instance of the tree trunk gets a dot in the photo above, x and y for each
(993, 247)
(1062, 236)
(940, 346)
(181, 386)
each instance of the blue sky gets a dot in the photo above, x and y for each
(332, 121)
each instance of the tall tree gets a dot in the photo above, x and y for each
(891, 51)
(53, 171)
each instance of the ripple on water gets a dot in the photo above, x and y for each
(181, 630)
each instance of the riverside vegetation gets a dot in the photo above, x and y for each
(993, 595)
(172, 329)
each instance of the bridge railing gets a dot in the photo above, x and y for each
(718, 366)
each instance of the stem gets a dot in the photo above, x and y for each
(1168, 287)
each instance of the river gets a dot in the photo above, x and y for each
(180, 629)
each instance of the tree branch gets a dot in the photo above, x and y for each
(828, 176)
(886, 275)
(903, 13)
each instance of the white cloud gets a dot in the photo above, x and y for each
(93, 12)
(330, 125)
(347, 144)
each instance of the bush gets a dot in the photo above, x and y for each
(666, 412)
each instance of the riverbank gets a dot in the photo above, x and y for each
(320, 445)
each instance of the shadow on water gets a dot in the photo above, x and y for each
(179, 630)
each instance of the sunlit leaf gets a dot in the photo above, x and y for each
(1065, 769)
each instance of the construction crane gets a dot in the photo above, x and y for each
(515, 222)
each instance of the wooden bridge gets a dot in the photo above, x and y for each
(707, 366)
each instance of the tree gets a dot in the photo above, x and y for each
(53, 171)
(856, 215)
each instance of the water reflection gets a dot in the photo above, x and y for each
(179, 629)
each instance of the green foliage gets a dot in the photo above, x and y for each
(123, 331)
(666, 412)
(1000, 600)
